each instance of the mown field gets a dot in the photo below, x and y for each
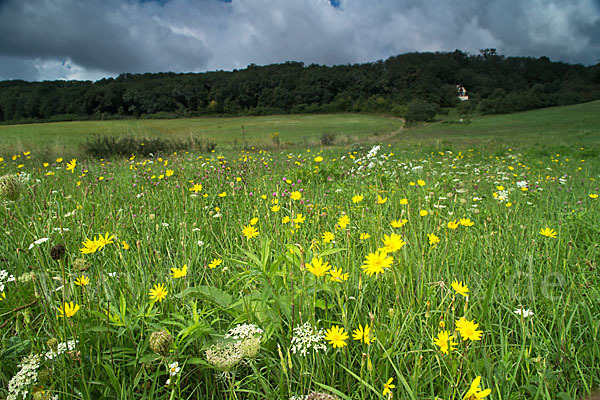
(59, 138)
(432, 268)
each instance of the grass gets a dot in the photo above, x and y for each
(232, 320)
(299, 130)
(556, 125)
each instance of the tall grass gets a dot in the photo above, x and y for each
(159, 222)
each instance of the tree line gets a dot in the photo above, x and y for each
(495, 84)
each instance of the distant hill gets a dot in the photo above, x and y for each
(494, 83)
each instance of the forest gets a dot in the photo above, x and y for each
(495, 84)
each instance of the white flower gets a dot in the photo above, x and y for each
(112, 274)
(200, 243)
(306, 337)
(174, 368)
(166, 225)
(524, 313)
(244, 331)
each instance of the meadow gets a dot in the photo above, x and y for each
(423, 268)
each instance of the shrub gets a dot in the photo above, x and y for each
(328, 139)
(421, 111)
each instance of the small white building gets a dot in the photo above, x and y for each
(462, 93)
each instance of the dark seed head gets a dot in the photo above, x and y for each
(57, 252)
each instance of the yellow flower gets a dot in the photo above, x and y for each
(388, 386)
(421, 182)
(357, 199)
(376, 263)
(223, 194)
(2, 295)
(460, 289)
(398, 223)
(318, 159)
(466, 222)
(475, 392)
(363, 334)
(593, 196)
(89, 246)
(327, 237)
(445, 341)
(343, 221)
(403, 201)
(509, 204)
(317, 267)
(275, 208)
(250, 232)
(215, 263)
(179, 272)
(299, 219)
(500, 188)
(381, 200)
(254, 221)
(196, 188)
(158, 293)
(104, 240)
(551, 233)
(336, 336)
(433, 239)
(285, 220)
(125, 245)
(68, 310)
(452, 224)
(337, 275)
(59, 160)
(392, 243)
(468, 329)
(296, 195)
(82, 281)
(71, 165)
(364, 236)
(169, 172)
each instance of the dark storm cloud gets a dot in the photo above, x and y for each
(68, 39)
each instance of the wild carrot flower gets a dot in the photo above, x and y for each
(336, 336)
(158, 292)
(551, 233)
(306, 337)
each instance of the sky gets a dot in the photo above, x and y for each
(93, 39)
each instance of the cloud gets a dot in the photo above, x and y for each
(70, 39)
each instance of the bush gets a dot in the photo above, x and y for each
(327, 139)
(421, 111)
(111, 146)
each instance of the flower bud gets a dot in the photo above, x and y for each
(10, 187)
(160, 342)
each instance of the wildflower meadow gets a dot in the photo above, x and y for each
(363, 272)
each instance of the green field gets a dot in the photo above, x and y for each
(462, 265)
(296, 130)
(566, 125)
